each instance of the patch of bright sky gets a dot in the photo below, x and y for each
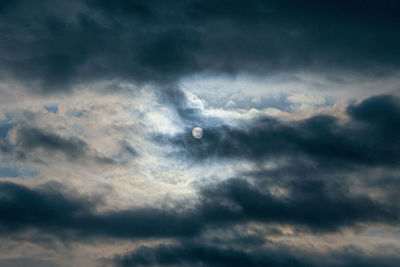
(287, 91)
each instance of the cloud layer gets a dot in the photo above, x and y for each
(159, 42)
(298, 164)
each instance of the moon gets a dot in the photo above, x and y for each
(197, 132)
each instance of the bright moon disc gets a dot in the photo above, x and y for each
(197, 132)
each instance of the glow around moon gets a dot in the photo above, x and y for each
(197, 132)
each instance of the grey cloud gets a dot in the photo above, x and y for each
(317, 205)
(161, 42)
(3, 147)
(75, 149)
(371, 137)
(190, 253)
(50, 210)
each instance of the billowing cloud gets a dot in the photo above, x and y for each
(316, 205)
(159, 42)
(192, 253)
(370, 137)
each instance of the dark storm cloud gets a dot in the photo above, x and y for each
(316, 204)
(188, 254)
(313, 205)
(54, 45)
(32, 139)
(371, 137)
(191, 254)
(50, 210)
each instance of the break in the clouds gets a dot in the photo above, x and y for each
(297, 165)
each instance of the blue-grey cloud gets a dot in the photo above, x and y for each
(161, 42)
(371, 137)
(312, 204)
(75, 149)
(207, 255)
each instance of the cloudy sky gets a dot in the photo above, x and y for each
(298, 164)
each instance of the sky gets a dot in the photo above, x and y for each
(298, 165)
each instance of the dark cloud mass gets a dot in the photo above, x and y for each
(188, 254)
(75, 149)
(318, 206)
(50, 210)
(155, 41)
(315, 205)
(370, 137)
